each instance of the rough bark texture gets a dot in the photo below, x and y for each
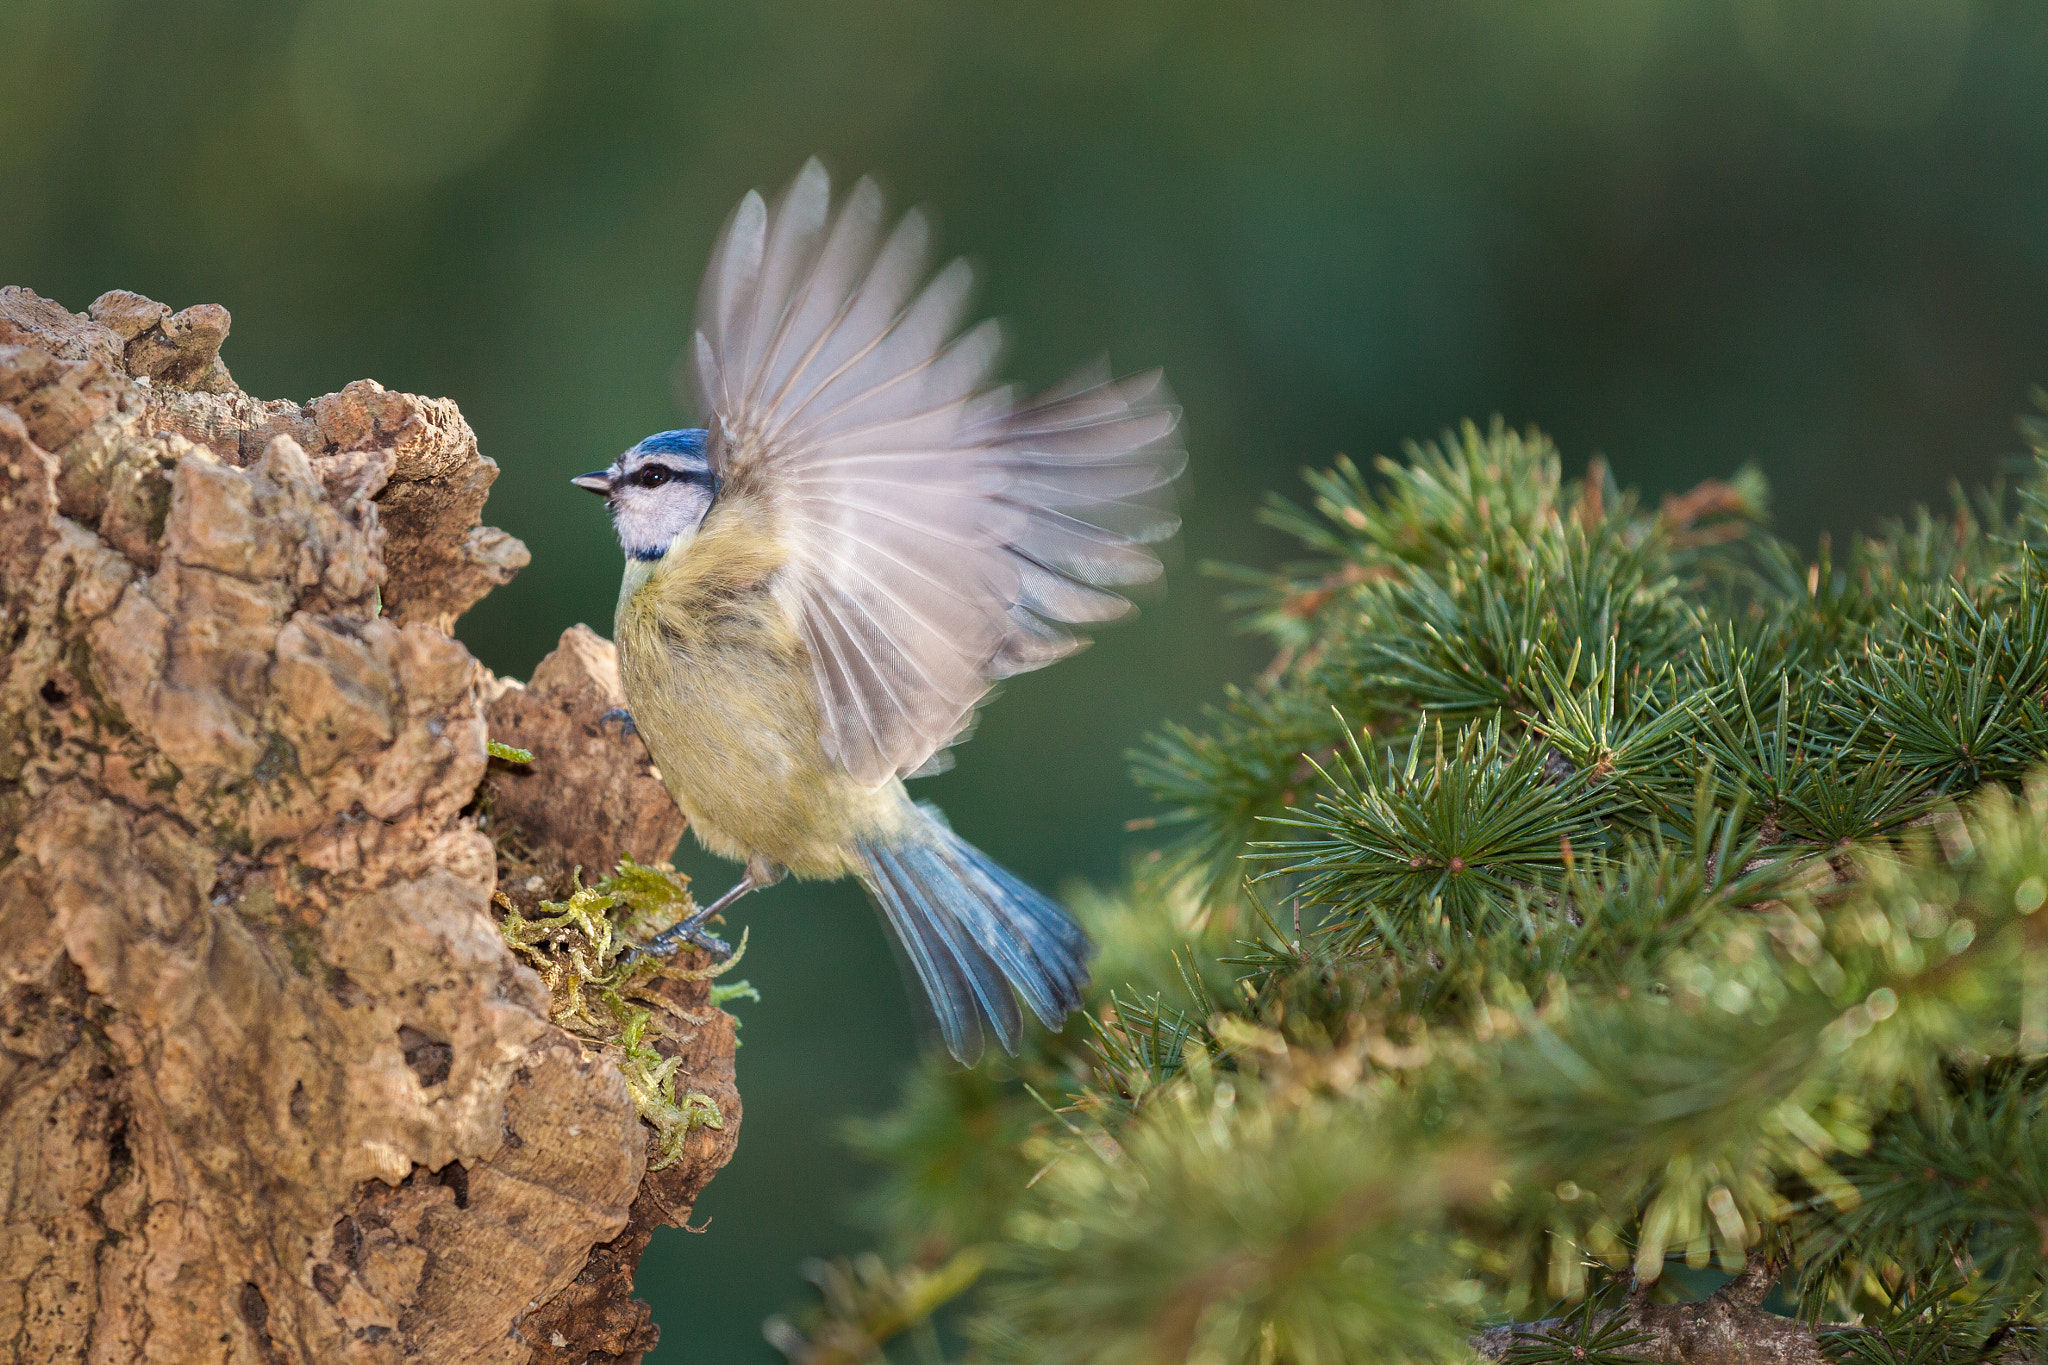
(272, 1087)
(1728, 1327)
(561, 713)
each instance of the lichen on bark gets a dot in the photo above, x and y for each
(273, 1087)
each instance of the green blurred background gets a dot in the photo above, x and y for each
(1683, 233)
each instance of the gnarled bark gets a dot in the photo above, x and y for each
(1728, 1327)
(272, 1087)
(1731, 1326)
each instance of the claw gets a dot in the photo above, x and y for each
(675, 936)
(623, 717)
(692, 930)
(666, 943)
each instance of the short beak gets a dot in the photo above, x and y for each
(599, 483)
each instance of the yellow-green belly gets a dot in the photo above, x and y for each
(719, 685)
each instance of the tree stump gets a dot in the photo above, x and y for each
(272, 1085)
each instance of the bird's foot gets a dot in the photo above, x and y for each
(624, 719)
(691, 930)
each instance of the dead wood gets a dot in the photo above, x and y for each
(1731, 1326)
(272, 1086)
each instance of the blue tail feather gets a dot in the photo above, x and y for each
(965, 986)
(972, 931)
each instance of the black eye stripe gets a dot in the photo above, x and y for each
(655, 475)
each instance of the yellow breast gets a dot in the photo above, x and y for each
(719, 684)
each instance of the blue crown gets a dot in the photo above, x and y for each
(689, 442)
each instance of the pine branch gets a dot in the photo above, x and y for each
(1632, 885)
(1732, 1327)
(1728, 1327)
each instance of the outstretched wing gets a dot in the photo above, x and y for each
(941, 534)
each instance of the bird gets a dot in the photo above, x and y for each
(825, 582)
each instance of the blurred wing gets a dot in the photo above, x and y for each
(941, 535)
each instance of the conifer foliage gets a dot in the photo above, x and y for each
(1592, 902)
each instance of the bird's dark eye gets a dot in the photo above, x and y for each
(654, 476)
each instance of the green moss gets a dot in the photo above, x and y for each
(13, 749)
(508, 753)
(650, 1079)
(106, 716)
(233, 837)
(302, 942)
(164, 776)
(737, 990)
(578, 945)
(280, 758)
(14, 811)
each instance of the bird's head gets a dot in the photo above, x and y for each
(657, 491)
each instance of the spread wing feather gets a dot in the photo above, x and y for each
(942, 535)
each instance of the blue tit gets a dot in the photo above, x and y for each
(824, 584)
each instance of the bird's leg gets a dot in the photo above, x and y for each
(623, 717)
(692, 929)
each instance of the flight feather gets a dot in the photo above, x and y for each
(941, 534)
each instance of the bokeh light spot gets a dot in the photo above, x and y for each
(399, 92)
(1876, 64)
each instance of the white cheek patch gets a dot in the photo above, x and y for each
(650, 520)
